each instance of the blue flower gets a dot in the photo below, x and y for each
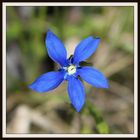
(70, 69)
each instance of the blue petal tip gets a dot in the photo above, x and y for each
(30, 86)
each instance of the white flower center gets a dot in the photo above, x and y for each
(71, 69)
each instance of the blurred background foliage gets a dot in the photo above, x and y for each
(106, 110)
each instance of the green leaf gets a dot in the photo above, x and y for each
(101, 125)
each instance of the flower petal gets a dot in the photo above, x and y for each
(76, 93)
(47, 81)
(93, 77)
(85, 49)
(56, 49)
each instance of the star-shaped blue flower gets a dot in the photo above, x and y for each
(70, 69)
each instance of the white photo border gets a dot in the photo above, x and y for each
(134, 4)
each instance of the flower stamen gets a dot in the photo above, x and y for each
(71, 69)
